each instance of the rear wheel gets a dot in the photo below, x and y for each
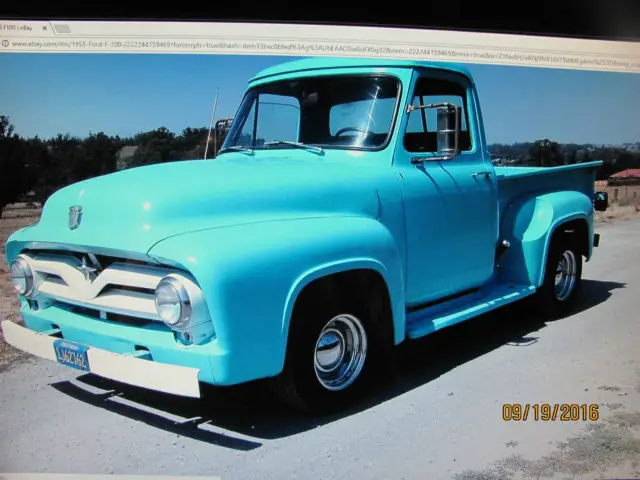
(563, 277)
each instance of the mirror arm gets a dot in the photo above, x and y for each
(411, 108)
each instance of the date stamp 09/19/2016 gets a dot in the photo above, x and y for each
(550, 412)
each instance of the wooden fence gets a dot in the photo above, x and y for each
(601, 185)
(622, 194)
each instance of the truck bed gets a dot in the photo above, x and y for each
(514, 182)
(519, 172)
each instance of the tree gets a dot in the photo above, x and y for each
(191, 142)
(98, 155)
(546, 153)
(54, 162)
(6, 128)
(13, 171)
(156, 146)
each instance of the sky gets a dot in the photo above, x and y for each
(47, 94)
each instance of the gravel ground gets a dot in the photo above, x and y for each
(14, 217)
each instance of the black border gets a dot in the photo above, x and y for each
(606, 20)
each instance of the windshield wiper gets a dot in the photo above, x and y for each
(235, 148)
(313, 148)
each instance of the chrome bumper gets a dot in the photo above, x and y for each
(162, 377)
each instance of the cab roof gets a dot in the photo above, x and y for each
(316, 63)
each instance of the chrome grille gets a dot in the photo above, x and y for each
(122, 288)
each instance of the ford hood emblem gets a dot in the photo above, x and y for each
(75, 217)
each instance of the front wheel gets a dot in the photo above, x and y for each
(340, 352)
(563, 278)
(328, 357)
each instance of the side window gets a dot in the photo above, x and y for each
(421, 132)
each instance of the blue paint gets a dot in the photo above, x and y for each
(255, 228)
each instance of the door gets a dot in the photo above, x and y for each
(450, 205)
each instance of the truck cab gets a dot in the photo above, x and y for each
(353, 206)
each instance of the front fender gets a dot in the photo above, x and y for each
(252, 274)
(529, 224)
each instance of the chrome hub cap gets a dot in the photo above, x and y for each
(340, 352)
(566, 270)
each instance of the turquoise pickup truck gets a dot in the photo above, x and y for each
(353, 206)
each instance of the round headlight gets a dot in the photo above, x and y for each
(21, 276)
(172, 302)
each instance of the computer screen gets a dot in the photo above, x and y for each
(277, 250)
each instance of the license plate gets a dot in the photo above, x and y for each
(72, 354)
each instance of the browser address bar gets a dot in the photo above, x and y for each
(329, 48)
(313, 40)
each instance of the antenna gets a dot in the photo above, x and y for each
(213, 114)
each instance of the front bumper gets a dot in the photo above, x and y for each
(163, 377)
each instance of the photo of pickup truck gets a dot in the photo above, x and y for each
(352, 207)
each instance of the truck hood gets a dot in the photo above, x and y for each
(134, 209)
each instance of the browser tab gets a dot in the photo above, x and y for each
(62, 28)
(24, 28)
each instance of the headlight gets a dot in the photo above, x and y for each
(21, 276)
(172, 302)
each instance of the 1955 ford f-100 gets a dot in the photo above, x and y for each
(353, 206)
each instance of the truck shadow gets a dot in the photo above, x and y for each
(226, 416)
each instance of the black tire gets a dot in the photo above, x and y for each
(300, 385)
(550, 299)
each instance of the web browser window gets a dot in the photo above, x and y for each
(210, 228)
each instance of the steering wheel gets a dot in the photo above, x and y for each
(352, 129)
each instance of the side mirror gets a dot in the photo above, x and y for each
(600, 201)
(223, 126)
(448, 129)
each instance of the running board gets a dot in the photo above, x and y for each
(428, 320)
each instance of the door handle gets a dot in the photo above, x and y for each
(486, 175)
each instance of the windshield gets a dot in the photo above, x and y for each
(354, 111)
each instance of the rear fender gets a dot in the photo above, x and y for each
(529, 225)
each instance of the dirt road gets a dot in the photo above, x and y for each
(441, 418)
(14, 217)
